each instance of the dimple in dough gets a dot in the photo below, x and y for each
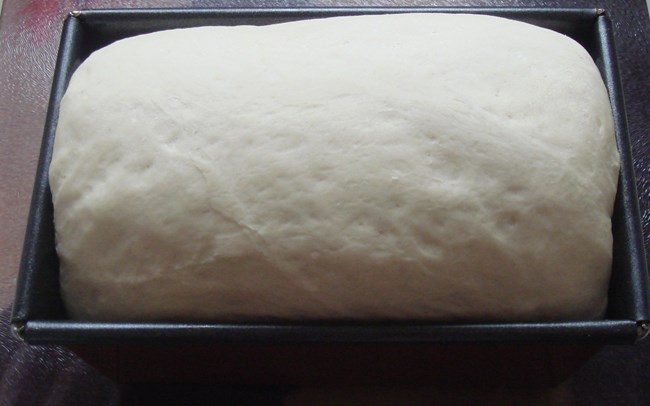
(415, 166)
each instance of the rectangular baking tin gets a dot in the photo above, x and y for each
(39, 316)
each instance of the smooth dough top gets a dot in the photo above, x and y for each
(413, 166)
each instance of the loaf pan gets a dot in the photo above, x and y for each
(39, 316)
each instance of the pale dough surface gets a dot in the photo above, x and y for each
(441, 167)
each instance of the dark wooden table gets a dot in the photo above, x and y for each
(29, 32)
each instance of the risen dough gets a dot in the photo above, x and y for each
(421, 166)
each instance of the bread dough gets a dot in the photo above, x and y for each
(415, 166)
